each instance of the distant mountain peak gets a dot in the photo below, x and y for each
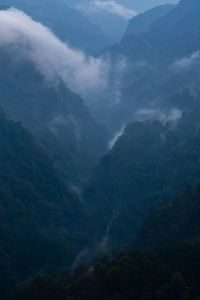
(4, 7)
(189, 4)
(142, 22)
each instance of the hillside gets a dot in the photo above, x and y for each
(42, 225)
(58, 118)
(173, 224)
(149, 163)
(170, 37)
(142, 22)
(161, 66)
(170, 272)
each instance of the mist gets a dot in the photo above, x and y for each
(110, 7)
(55, 60)
(186, 63)
(157, 114)
(116, 137)
(116, 9)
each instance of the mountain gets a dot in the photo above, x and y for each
(150, 162)
(42, 224)
(67, 23)
(160, 64)
(108, 19)
(141, 23)
(58, 118)
(171, 37)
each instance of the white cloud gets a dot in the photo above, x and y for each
(187, 62)
(116, 9)
(109, 7)
(116, 136)
(51, 57)
(157, 114)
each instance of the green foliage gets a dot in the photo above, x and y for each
(173, 223)
(39, 215)
(170, 273)
(151, 162)
(130, 276)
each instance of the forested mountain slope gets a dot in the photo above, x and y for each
(173, 224)
(42, 225)
(149, 163)
(170, 272)
(58, 118)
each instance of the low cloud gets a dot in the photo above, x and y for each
(145, 114)
(116, 136)
(109, 7)
(116, 9)
(157, 114)
(54, 59)
(186, 63)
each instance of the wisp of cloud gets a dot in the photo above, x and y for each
(110, 7)
(186, 63)
(157, 114)
(51, 57)
(116, 136)
(116, 9)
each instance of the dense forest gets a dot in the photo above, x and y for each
(39, 214)
(149, 163)
(170, 271)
